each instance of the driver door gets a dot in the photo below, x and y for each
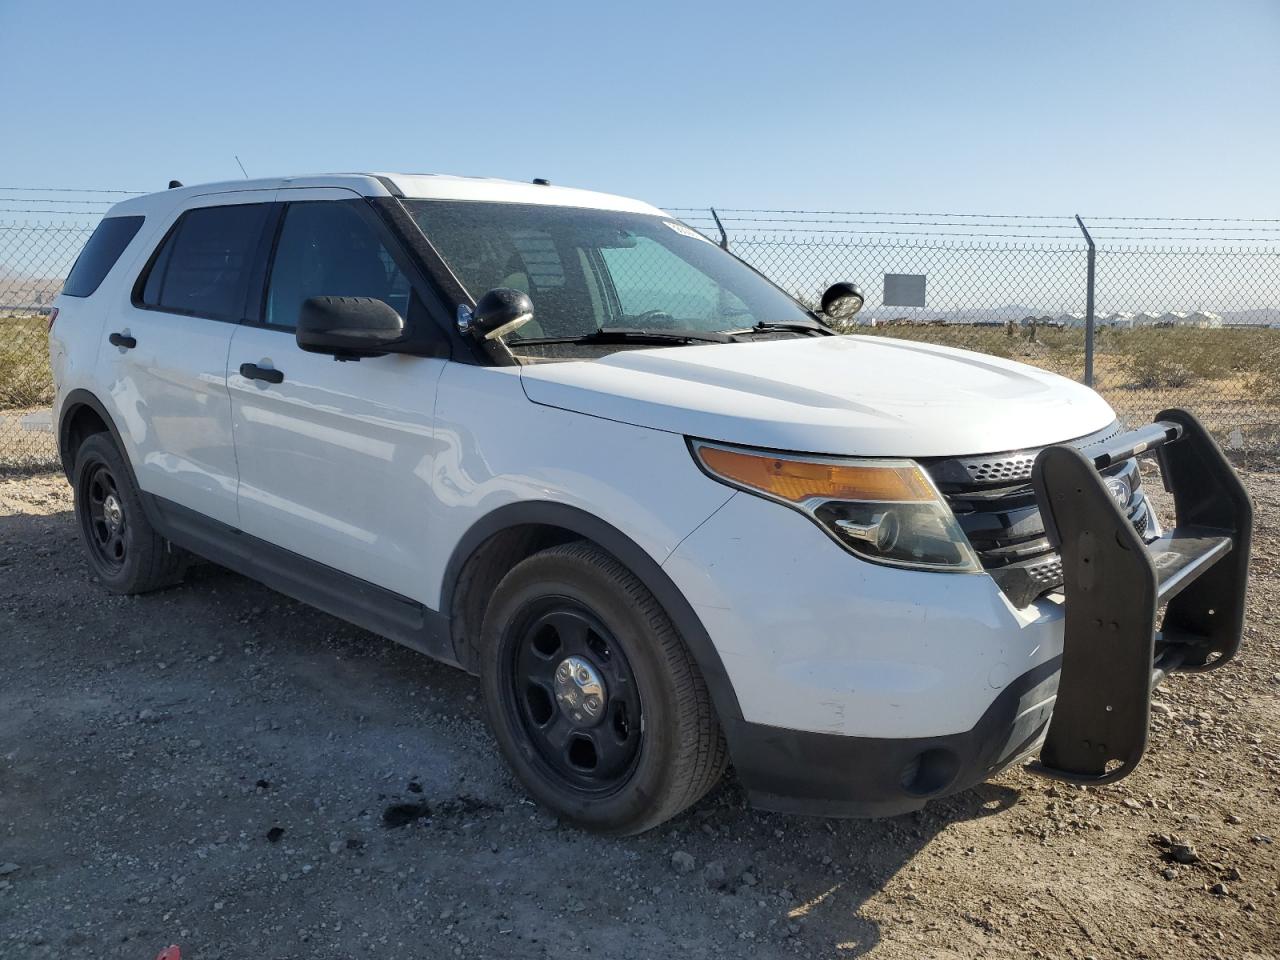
(335, 457)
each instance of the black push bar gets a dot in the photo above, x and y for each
(1113, 654)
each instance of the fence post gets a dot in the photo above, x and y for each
(1088, 307)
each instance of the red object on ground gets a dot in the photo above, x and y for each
(170, 953)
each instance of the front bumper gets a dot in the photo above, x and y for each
(851, 706)
(829, 775)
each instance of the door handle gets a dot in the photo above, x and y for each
(122, 340)
(251, 371)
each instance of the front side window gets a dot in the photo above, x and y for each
(203, 267)
(592, 269)
(100, 255)
(327, 249)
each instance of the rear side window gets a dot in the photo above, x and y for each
(203, 266)
(100, 255)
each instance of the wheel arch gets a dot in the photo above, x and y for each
(83, 415)
(505, 536)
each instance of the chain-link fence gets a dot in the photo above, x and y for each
(34, 259)
(1191, 320)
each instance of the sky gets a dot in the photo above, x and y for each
(1106, 108)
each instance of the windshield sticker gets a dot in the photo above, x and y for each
(684, 231)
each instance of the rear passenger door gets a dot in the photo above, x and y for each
(335, 458)
(164, 362)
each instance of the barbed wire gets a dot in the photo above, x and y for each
(985, 216)
(61, 213)
(50, 200)
(953, 224)
(69, 190)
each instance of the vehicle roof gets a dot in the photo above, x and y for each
(426, 186)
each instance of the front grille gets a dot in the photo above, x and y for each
(996, 507)
(1000, 469)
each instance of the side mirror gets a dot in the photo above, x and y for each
(348, 327)
(841, 301)
(499, 312)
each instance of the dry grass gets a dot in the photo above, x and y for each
(25, 379)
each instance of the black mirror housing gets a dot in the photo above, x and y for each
(841, 301)
(348, 327)
(499, 312)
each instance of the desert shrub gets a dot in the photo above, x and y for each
(1153, 369)
(25, 379)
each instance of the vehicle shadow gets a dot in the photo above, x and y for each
(826, 871)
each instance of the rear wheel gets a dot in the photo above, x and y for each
(594, 699)
(125, 553)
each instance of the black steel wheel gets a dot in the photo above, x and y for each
(593, 697)
(104, 518)
(575, 694)
(123, 549)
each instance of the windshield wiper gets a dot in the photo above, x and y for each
(631, 335)
(806, 325)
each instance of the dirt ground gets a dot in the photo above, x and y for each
(219, 767)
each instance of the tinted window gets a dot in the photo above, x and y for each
(100, 254)
(204, 265)
(327, 249)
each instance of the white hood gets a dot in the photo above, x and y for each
(855, 395)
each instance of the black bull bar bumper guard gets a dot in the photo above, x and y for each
(1113, 655)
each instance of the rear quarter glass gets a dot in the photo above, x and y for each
(100, 255)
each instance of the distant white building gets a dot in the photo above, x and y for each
(1070, 319)
(1205, 319)
(1144, 318)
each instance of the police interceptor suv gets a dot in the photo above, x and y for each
(670, 517)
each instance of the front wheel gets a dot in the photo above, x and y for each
(596, 703)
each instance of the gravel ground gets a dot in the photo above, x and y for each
(219, 767)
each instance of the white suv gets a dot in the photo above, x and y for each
(670, 517)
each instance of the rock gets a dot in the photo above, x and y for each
(713, 873)
(336, 846)
(749, 878)
(683, 862)
(1184, 853)
(8, 868)
(1169, 873)
(1232, 874)
(1132, 804)
(1233, 819)
(1162, 709)
(1219, 890)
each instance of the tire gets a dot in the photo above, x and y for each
(655, 746)
(123, 549)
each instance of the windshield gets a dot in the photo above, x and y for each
(591, 269)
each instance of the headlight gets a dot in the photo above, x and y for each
(887, 511)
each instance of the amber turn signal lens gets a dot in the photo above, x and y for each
(801, 480)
